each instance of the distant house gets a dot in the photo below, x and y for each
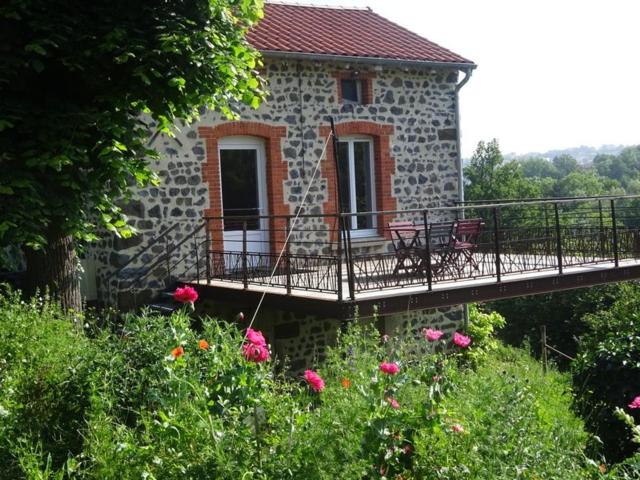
(394, 98)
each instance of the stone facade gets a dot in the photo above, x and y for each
(410, 116)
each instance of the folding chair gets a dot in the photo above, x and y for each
(465, 242)
(406, 244)
(441, 246)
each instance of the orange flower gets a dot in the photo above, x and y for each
(203, 344)
(602, 468)
(346, 383)
(177, 352)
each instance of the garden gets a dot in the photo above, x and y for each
(156, 397)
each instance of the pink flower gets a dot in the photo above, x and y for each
(393, 402)
(389, 368)
(460, 340)
(385, 338)
(314, 380)
(185, 294)
(432, 335)
(436, 378)
(255, 337)
(635, 403)
(456, 427)
(255, 353)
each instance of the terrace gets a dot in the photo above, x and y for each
(415, 259)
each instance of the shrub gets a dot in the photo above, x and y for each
(607, 373)
(515, 423)
(153, 400)
(46, 375)
(482, 327)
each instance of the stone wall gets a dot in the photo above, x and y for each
(417, 107)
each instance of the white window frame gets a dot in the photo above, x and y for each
(363, 232)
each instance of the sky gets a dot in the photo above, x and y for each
(551, 74)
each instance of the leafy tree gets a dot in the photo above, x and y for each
(75, 80)
(538, 167)
(487, 177)
(585, 183)
(565, 164)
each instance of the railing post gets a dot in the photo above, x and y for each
(351, 280)
(558, 237)
(339, 273)
(616, 255)
(207, 235)
(496, 240)
(288, 256)
(245, 273)
(427, 239)
(601, 217)
(547, 231)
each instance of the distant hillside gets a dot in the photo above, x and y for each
(582, 154)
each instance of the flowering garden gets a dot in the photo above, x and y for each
(149, 397)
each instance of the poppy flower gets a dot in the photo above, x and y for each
(177, 352)
(346, 383)
(314, 380)
(255, 353)
(635, 403)
(393, 402)
(460, 340)
(432, 335)
(185, 294)
(389, 368)
(457, 428)
(255, 337)
(203, 345)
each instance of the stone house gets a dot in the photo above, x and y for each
(394, 98)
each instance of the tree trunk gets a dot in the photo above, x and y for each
(55, 268)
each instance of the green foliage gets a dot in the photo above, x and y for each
(561, 312)
(482, 328)
(118, 405)
(517, 424)
(607, 372)
(487, 177)
(75, 80)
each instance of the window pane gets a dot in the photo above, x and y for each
(364, 182)
(239, 176)
(343, 157)
(350, 90)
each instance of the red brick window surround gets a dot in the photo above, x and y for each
(384, 166)
(276, 170)
(366, 79)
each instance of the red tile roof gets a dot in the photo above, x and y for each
(352, 32)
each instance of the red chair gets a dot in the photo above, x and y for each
(405, 237)
(466, 233)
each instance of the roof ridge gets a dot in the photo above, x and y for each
(310, 5)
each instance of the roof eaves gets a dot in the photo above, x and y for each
(397, 62)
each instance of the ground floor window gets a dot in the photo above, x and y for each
(357, 182)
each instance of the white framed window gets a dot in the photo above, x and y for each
(357, 183)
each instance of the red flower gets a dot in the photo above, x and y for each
(203, 344)
(346, 383)
(457, 428)
(314, 380)
(177, 352)
(460, 340)
(393, 402)
(255, 337)
(185, 294)
(432, 335)
(255, 353)
(635, 403)
(389, 368)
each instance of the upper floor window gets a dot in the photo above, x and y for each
(354, 87)
(357, 182)
(352, 90)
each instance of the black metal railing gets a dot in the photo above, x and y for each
(516, 238)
